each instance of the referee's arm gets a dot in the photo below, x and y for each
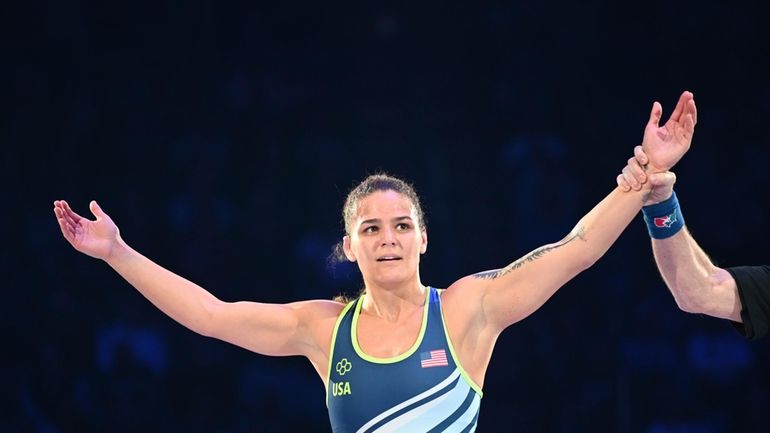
(697, 284)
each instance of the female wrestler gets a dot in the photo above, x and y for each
(403, 356)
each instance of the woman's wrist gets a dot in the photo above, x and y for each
(118, 251)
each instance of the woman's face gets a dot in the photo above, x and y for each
(385, 238)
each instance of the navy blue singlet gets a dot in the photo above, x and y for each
(422, 390)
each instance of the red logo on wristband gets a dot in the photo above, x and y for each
(666, 221)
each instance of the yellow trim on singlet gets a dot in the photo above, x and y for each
(331, 348)
(456, 358)
(374, 359)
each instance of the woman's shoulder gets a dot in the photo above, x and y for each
(322, 307)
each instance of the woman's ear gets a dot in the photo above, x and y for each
(346, 248)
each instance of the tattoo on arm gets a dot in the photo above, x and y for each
(531, 257)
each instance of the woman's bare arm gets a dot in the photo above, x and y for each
(270, 329)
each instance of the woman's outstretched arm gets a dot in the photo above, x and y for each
(270, 329)
(498, 298)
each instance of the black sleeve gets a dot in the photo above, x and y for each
(754, 291)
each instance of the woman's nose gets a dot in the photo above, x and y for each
(388, 237)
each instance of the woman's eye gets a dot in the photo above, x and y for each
(402, 226)
(370, 229)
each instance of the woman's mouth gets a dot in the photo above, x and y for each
(388, 258)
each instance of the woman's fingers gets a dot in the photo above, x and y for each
(683, 101)
(693, 110)
(66, 228)
(71, 213)
(655, 114)
(689, 125)
(70, 217)
(96, 210)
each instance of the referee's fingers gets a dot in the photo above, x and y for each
(640, 155)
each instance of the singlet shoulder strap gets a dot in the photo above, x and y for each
(345, 311)
(452, 351)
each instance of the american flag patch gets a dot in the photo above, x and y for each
(434, 358)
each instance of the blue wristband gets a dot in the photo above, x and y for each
(664, 219)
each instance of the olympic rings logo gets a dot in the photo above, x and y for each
(343, 366)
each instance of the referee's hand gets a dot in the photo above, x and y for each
(635, 174)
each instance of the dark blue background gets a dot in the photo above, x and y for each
(222, 138)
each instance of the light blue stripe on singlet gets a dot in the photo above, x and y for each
(452, 377)
(447, 389)
(440, 409)
(472, 428)
(468, 418)
(459, 413)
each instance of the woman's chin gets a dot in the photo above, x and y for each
(393, 278)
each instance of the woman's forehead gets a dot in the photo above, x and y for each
(384, 203)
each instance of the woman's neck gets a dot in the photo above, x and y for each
(393, 303)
